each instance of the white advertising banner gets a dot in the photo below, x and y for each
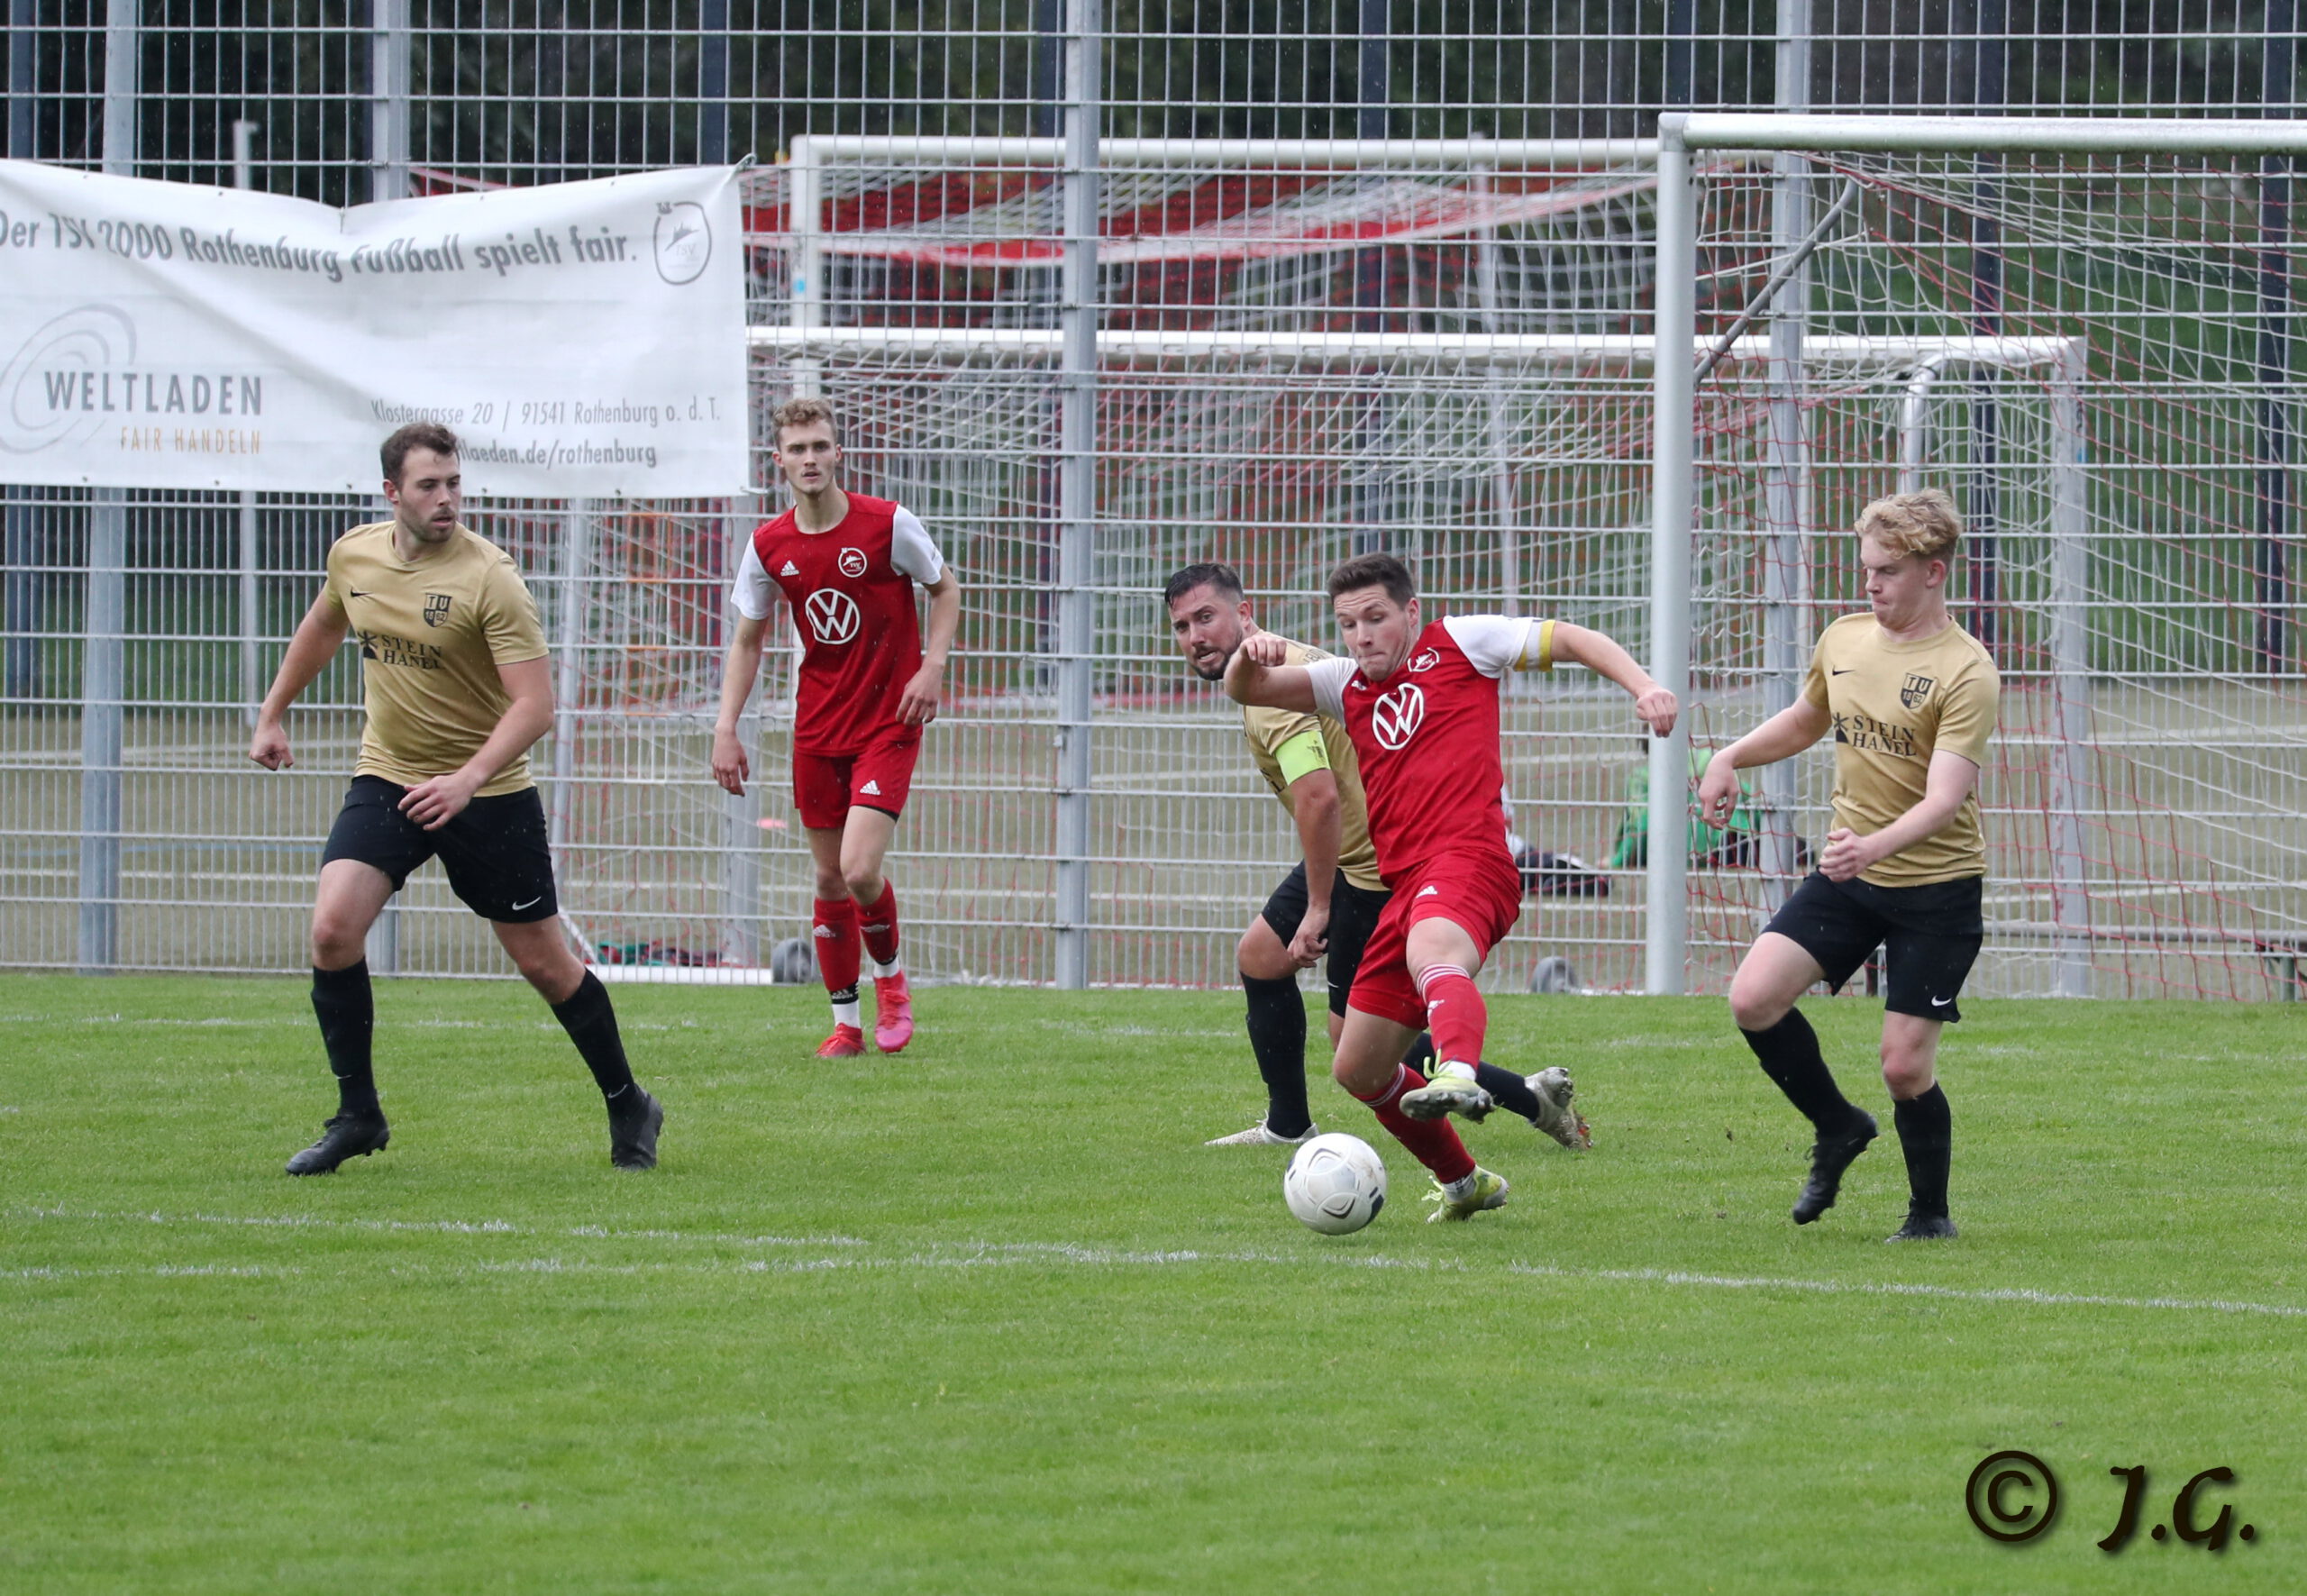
(583, 339)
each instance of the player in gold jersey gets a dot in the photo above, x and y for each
(1327, 905)
(458, 685)
(1910, 699)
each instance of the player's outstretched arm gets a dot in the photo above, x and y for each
(917, 706)
(1582, 645)
(318, 638)
(1782, 736)
(1256, 675)
(1945, 786)
(1320, 815)
(729, 764)
(529, 684)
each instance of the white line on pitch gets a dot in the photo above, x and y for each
(983, 1254)
(440, 1227)
(1669, 1277)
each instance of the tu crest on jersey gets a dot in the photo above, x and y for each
(436, 608)
(1915, 689)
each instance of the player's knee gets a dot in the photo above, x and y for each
(829, 882)
(552, 971)
(337, 941)
(1906, 1070)
(862, 882)
(1754, 1005)
(1262, 958)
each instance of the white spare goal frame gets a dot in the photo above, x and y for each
(2117, 428)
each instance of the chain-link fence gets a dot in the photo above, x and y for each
(1101, 292)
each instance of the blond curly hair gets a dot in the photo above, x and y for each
(1925, 523)
(806, 412)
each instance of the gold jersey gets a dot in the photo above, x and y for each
(1286, 744)
(432, 632)
(1895, 703)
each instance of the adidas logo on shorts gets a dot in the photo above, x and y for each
(870, 790)
(1429, 891)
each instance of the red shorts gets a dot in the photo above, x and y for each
(1480, 893)
(878, 776)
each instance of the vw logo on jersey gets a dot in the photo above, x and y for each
(832, 615)
(1396, 717)
(1426, 658)
(853, 562)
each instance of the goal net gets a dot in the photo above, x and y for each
(2121, 436)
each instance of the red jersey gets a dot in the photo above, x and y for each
(851, 591)
(1427, 737)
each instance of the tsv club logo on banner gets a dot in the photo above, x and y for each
(168, 335)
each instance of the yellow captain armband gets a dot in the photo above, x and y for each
(1300, 754)
(1540, 658)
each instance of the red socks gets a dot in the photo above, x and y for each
(1432, 1142)
(1454, 1013)
(880, 925)
(834, 925)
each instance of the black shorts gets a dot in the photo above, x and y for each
(1930, 936)
(494, 849)
(1353, 914)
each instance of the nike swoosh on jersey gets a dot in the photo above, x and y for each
(1846, 670)
(356, 593)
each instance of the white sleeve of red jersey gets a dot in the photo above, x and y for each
(1498, 643)
(1329, 678)
(911, 549)
(753, 592)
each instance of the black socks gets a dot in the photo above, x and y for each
(346, 1011)
(591, 1024)
(1278, 1037)
(1789, 1052)
(1927, 1137)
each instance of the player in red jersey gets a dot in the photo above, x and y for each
(1421, 703)
(847, 565)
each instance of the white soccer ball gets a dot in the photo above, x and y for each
(1336, 1184)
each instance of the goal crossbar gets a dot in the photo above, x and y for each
(1983, 135)
(1623, 352)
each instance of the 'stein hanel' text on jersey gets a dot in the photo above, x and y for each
(1895, 703)
(1427, 736)
(851, 589)
(432, 632)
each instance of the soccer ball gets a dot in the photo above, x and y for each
(1336, 1184)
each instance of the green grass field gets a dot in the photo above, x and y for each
(988, 1318)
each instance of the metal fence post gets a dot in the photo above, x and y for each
(1667, 909)
(712, 84)
(104, 622)
(252, 682)
(1077, 490)
(741, 829)
(20, 587)
(388, 94)
(568, 671)
(1786, 486)
(2276, 491)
